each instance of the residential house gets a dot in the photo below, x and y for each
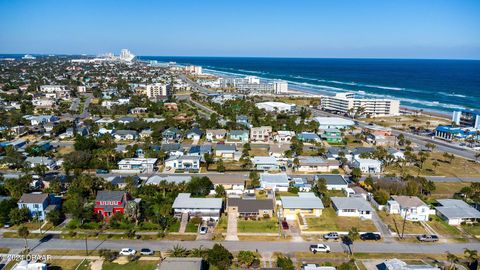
(359, 152)
(244, 121)
(29, 265)
(107, 203)
(200, 150)
(225, 151)
(261, 134)
(397, 154)
(146, 133)
(215, 134)
(144, 165)
(36, 120)
(352, 207)
(283, 136)
(125, 135)
(265, 163)
(333, 181)
(334, 122)
(39, 204)
(172, 149)
(308, 137)
(305, 204)
(301, 183)
(206, 208)
(276, 181)
(316, 164)
(171, 134)
(175, 179)
(194, 134)
(396, 264)
(127, 120)
(367, 165)
(121, 182)
(239, 135)
(332, 135)
(39, 161)
(187, 163)
(457, 212)
(138, 110)
(409, 207)
(250, 207)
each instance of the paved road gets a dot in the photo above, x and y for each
(285, 247)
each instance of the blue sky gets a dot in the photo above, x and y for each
(340, 28)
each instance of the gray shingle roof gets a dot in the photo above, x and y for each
(250, 206)
(457, 209)
(303, 201)
(351, 203)
(332, 179)
(184, 200)
(33, 198)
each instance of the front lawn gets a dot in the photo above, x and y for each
(472, 229)
(64, 264)
(191, 227)
(442, 228)
(257, 226)
(147, 265)
(410, 226)
(329, 221)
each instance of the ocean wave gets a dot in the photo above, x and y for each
(452, 95)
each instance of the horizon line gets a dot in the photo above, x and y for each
(279, 57)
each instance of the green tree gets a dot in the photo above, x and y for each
(381, 196)
(285, 263)
(220, 257)
(23, 232)
(220, 191)
(356, 174)
(452, 259)
(178, 251)
(472, 257)
(254, 179)
(55, 217)
(19, 215)
(248, 259)
(220, 166)
(200, 186)
(6, 206)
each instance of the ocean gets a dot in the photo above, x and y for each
(432, 85)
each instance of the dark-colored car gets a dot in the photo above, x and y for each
(146, 251)
(370, 236)
(285, 225)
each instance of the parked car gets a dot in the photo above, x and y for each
(203, 230)
(146, 251)
(428, 238)
(319, 248)
(285, 225)
(331, 235)
(102, 171)
(127, 251)
(370, 236)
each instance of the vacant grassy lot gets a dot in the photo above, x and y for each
(258, 226)
(402, 122)
(130, 266)
(258, 152)
(329, 221)
(410, 227)
(442, 228)
(472, 229)
(459, 167)
(445, 190)
(63, 264)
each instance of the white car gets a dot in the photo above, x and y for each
(319, 248)
(203, 230)
(127, 251)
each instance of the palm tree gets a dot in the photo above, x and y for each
(452, 258)
(472, 256)
(352, 236)
(178, 251)
(24, 233)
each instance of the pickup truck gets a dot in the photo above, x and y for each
(428, 238)
(331, 235)
(319, 248)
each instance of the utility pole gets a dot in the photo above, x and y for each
(86, 244)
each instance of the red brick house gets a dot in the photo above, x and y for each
(108, 203)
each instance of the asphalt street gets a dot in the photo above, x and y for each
(263, 246)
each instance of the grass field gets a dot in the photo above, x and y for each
(445, 190)
(63, 264)
(191, 227)
(442, 228)
(254, 152)
(406, 121)
(459, 167)
(410, 227)
(144, 265)
(472, 229)
(329, 221)
(258, 226)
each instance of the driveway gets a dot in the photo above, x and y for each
(382, 227)
(232, 228)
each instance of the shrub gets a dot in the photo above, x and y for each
(108, 255)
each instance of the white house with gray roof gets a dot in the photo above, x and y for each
(409, 207)
(137, 164)
(184, 162)
(39, 161)
(352, 207)
(274, 181)
(333, 181)
(456, 212)
(206, 208)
